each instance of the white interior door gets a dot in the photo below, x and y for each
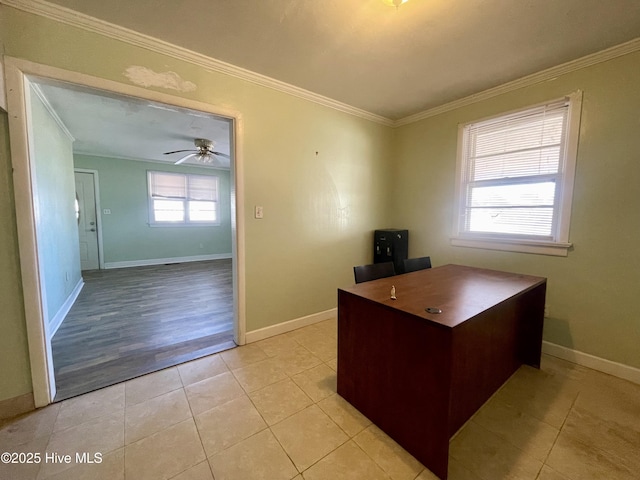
(87, 221)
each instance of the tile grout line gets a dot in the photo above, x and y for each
(269, 427)
(555, 441)
(124, 435)
(195, 424)
(314, 403)
(597, 448)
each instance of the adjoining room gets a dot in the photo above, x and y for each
(146, 256)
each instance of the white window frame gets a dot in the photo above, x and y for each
(187, 222)
(558, 244)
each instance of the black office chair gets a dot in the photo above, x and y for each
(414, 264)
(365, 273)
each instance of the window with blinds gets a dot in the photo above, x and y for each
(182, 199)
(515, 175)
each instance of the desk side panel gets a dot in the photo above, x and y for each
(531, 314)
(395, 368)
(490, 347)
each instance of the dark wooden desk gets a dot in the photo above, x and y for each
(420, 376)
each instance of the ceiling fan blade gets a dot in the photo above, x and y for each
(178, 151)
(186, 157)
(220, 154)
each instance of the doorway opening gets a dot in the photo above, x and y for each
(172, 291)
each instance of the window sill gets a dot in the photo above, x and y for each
(526, 246)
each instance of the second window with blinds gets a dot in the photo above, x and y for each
(182, 199)
(515, 179)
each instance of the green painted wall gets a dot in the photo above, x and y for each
(594, 306)
(58, 248)
(319, 208)
(126, 233)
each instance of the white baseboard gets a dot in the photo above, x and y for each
(56, 321)
(290, 325)
(616, 369)
(163, 261)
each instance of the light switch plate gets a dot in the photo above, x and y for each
(259, 211)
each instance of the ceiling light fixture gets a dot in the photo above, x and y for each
(203, 152)
(394, 3)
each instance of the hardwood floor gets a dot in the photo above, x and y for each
(131, 321)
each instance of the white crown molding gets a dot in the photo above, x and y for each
(80, 20)
(533, 79)
(40, 94)
(76, 19)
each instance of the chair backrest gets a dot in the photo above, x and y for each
(413, 264)
(365, 273)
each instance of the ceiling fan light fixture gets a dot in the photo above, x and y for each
(203, 153)
(203, 143)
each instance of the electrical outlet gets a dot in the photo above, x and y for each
(259, 211)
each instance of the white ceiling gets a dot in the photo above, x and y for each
(393, 63)
(113, 126)
(390, 62)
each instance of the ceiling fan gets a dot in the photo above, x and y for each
(203, 152)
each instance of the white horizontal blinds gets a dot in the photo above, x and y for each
(203, 197)
(512, 167)
(167, 191)
(203, 188)
(518, 145)
(167, 185)
(183, 198)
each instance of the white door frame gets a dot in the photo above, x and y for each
(16, 75)
(96, 191)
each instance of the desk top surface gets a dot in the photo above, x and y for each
(460, 292)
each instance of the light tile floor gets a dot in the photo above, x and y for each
(270, 411)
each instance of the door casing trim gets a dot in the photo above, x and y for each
(17, 72)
